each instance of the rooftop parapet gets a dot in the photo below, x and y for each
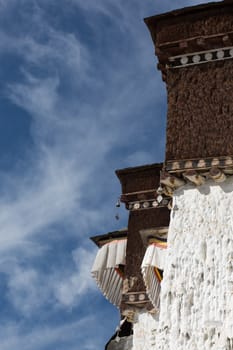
(195, 52)
(148, 210)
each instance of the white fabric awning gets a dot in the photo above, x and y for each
(106, 269)
(152, 264)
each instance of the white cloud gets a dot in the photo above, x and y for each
(48, 197)
(69, 290)
(109, 8)
(68, 146)
(65, 336)
(73, 133)
(26, 290)
(37, 96)
(139, 158)
(30, 289)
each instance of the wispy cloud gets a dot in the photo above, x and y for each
(31, 290)
(70, 137)
(83, 108)
(64, 337)
(69, 290)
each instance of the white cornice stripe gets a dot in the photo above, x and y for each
(200, 57)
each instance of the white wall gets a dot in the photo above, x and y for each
(197, 289)
(145, 327)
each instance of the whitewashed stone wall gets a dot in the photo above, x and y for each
(197, 289)
(145, 326)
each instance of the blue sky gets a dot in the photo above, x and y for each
(80, 96)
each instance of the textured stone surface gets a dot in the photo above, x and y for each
(207, 20)
(144, 331)
(195, 25)
(200, 111)
(200, 106)
(197, 289)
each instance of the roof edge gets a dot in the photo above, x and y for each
(101, 239)
(137, 169)
(187, 10)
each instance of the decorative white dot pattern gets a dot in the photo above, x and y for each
(200, 57)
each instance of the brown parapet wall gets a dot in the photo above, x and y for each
(177, 31)
(139, 184)
(134, 284)
(140, 178)
(139, 187)
(199, 81)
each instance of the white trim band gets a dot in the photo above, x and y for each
(200, 57)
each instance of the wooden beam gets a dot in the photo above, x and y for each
(217, 175)
(228, 171)
(168, 191)
(194, 177)
(170, 180)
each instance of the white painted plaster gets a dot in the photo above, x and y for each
(144, 330)
(197, 290)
